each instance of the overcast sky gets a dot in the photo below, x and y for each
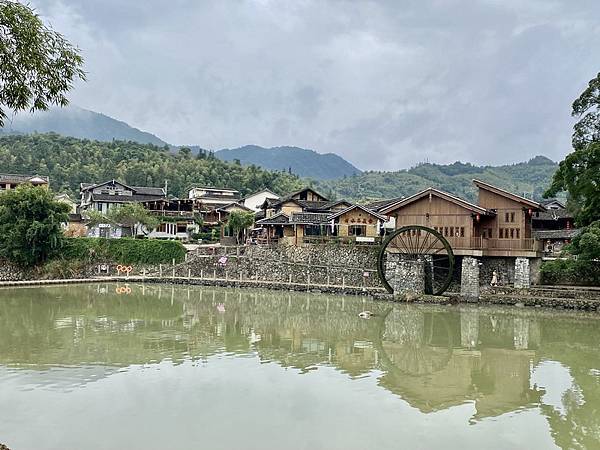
(384, 84)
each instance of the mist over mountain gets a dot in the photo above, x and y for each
(300, 161)
(80, 123)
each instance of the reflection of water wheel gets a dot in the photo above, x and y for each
(418, 243)
(413, 353)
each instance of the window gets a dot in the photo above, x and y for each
(501, 233)
(312, 230)
(512, 216)
(451, 231)
(357, 230)
(506, 217)
(517, 233)
(446, 231)
(512, 233)
(462, 231)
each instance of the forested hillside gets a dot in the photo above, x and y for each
(300, 161)
(529, 178)
(69, 161)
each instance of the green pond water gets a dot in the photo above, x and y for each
(162, 367)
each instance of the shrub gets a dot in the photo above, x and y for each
(125, 250)
(569, 271)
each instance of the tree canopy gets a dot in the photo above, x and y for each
(69, 161)
(579, 173)
(37, 64)
(30, 224)
(239, 221)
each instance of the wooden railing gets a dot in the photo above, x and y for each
(342, 240)
(479, 243)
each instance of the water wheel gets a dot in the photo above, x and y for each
(418, 243)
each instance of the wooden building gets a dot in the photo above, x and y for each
(11, 180)
(498, 225)
(306, 216)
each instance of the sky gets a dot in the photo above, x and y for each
(384, 84)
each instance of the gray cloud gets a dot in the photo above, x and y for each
(384, 84)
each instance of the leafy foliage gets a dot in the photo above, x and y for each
(37, 65)
(571, 272)
(587, 244)
(70, 161)
(529, 178)
(30, 224)
(579, 173)
(239, 221)
(124, 250)
(129, 215)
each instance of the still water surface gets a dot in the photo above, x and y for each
(85, 367)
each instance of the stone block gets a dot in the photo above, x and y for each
(469, 278)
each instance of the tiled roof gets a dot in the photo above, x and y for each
(17, 178)
(444, 195)
(553, 214)
(505, 193)
(380, 204)
(309, 218)
(365, 209)
(277, 219)
(124, 198)
(556, 234)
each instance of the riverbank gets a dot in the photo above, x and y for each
(557, 297)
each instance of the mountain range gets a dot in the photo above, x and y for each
(329, 172)
(85, 124)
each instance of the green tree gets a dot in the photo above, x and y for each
(133, 216)
(30, 224)
(587, 244)
(579, 173)
(37, 64)
(239, 222)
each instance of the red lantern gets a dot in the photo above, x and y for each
(529, 211)
(477, 217)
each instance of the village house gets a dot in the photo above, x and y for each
(500, 224)
(11, 181)
(307, 216)
(257, 199)
(207, 201)
(554, 227)
(102, 197)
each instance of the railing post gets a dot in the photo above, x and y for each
(189, 273)
(201, 274)
(160, 270)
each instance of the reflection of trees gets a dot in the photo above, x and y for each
(575, 344)
(433, 357)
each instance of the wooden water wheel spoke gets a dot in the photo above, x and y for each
(418, 243)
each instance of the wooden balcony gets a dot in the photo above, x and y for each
(504, 247)
(356, 240)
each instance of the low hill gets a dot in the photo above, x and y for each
(529, 179)
(69, 161)
(80, 123)
(301, 162)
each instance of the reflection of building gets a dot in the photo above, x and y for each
(428, 370)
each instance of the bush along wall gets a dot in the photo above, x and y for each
(571, 272)
(124, 250)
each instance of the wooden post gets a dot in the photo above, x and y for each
(214, 274)
(144, 273)
(290, 278)
(343, 281)
(201, 274)
(189, 273)
(160, 270)
(173, 273)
